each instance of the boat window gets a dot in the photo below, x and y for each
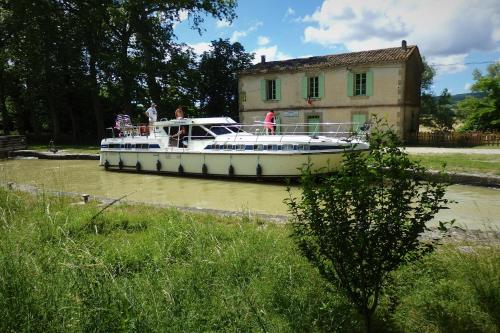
(241, 147)
(275, 147)
(280, 147)
(269, 147)
(287, 147)
(295, 147)
(260, 147)
(220, 129)
(199, 133)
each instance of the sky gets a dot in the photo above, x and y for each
(456, 36)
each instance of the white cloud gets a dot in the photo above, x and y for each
(289, 12)
(467, 86)
(239, 34)
(199, 48)
(183, 15)
(440, 28)
(222, 24)
(271, 53)
(263, 40)
(448, 64)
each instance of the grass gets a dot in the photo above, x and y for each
(82, 149)
(469, 163)
(138, 268)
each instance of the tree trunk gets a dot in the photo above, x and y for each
(56, 124)
(96, 103)
(3, 108)
(367, 320)
(144, 37)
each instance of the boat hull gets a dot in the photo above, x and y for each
(221, 164)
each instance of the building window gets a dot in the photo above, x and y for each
(360, 84)
(270, 90)
(313, 87)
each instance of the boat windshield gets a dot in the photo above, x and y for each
(220, 129)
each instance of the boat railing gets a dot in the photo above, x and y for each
(337, 130)
(129, 131)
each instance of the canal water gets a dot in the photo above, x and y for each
(475, 207)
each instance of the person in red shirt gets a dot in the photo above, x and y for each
(269, 122)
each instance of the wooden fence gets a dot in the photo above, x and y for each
(10, 143)
(454, 139)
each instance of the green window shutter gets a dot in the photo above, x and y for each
(350, 84)
(304, 87)
(278, 89)
(263, 90)
(321, 83)
(369, 83)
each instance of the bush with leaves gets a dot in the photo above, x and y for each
(364, 221)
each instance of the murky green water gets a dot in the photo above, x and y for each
(476, 207)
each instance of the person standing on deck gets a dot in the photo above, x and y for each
(179, 113)
(269, 122)
(152, 114)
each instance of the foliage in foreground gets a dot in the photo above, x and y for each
(364, 221)
(146, 269)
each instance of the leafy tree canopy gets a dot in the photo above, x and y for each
(219, 82)
(68, 66)
(483, 114)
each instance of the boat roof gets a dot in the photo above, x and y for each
(196, 121)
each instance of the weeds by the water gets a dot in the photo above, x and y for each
(137, 268)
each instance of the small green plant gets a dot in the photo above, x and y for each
(363, 222)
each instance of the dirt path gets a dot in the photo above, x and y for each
(438, 150)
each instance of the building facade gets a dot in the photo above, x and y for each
(346, 87)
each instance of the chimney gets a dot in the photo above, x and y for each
(262, 59)
(403, 45)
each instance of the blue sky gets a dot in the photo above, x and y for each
(455, 35)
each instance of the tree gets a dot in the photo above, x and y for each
(75, 63)
(427, 97)
(483, 114)
(442, 117)
(363, 222)
(218, 85)
(435, 112)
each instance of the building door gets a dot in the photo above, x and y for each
(313, 123)
(358, 120)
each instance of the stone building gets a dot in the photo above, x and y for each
(347, 87)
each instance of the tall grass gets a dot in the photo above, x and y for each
(137, 268)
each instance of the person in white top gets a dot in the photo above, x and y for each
(152, 115)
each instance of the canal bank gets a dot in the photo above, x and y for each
(455, 234)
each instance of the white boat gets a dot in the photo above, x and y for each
(223, 148)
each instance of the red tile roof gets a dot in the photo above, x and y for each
(390, 55)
